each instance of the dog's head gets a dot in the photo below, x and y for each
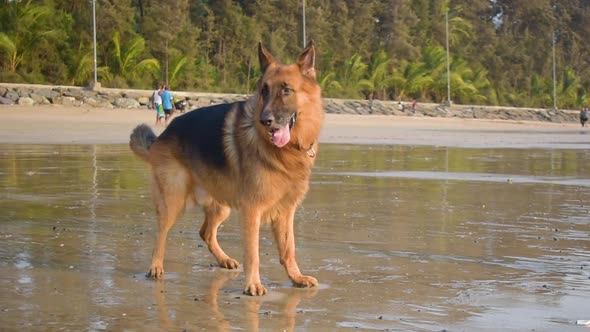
(283, 94)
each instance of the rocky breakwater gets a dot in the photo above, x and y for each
(24, 94)
(12, 94)
(343, 106)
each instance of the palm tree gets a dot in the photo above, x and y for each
(352, 73)
(127, 69)
(541, 92)
(410, 79)
(378, 78)
(483, 85)
(84, 67)
(462, 88)
(570, 90)
(434, 59)
(28, 31)
(330, 86)
(178, 63)
(14, 55)
(426, 78)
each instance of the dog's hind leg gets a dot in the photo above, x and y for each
(215, 214)
(282, 227)
(169, 193)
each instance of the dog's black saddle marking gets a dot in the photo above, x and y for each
(200, 134)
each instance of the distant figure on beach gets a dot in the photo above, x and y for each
(181, 104)
(168, 103)
(414, 105)
(400, 106)
(157, 104)
(584, 116)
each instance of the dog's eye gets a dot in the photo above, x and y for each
(264, 91)
(287, 91)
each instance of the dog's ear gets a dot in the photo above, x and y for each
(306, 60)
(264, 57)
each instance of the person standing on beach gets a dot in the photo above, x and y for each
(168, 102)
(584, 116)
(157, 104)
(400, 106)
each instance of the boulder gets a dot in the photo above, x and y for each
(363, 110)
(379, 107)
(438, 111)
(76, 93)
(12, 95)
(6, 101)
(90, 101)
(49, 94)
(480, 113)
(59, 90)
(467, 113)
(63, 100)
(331, 108)
(105, 103)
(23, 92)
(26, 101)
(126, 103)
(39, 99)
(143, 101)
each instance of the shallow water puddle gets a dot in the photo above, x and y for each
(401, 238)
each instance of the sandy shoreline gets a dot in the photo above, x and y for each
(78, 125)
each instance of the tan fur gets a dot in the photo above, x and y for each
(264, 182)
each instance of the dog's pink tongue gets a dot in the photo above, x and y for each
(281, 137)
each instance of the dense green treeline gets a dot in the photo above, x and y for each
(501, 50)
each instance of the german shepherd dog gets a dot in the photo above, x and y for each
(255, 156)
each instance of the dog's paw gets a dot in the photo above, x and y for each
(255, 289)
(229, 263)
(155, 272)
(305, 282)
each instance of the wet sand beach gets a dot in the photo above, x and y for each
(410, 224)
(75, 125)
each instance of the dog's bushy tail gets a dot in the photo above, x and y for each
(141, 140)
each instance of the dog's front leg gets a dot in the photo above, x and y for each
(282, 228)
(250, 220)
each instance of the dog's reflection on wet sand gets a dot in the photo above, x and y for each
(217, 301)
